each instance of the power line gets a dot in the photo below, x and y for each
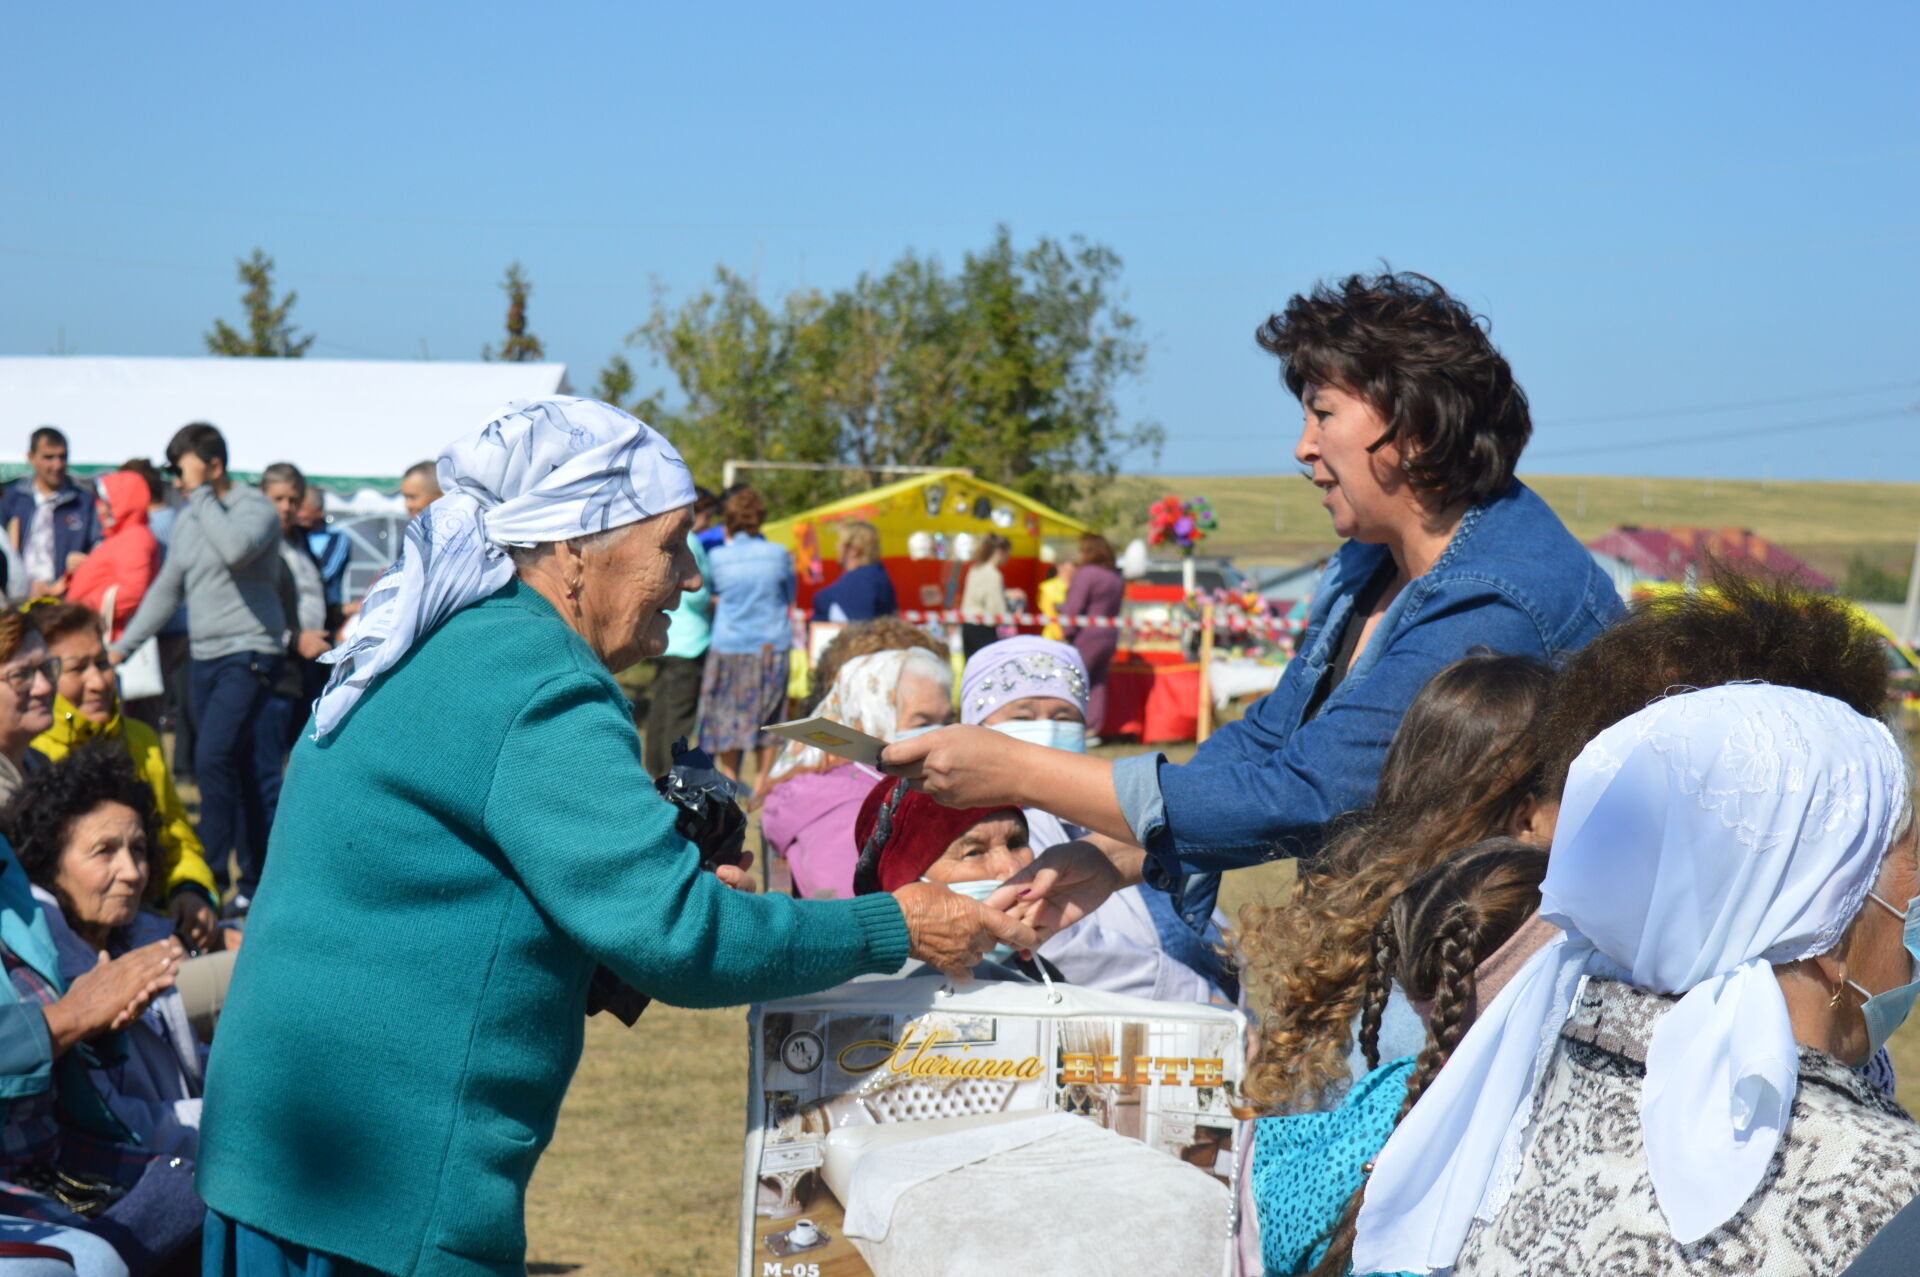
(1788, 427)
(1732, 405)
(1738, 405)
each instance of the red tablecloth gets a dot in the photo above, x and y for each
(1153, 702)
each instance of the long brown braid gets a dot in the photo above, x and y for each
(1431, 942)
(1384, 962)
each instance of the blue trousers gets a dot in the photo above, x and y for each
(230, 696)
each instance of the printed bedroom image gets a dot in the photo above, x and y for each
(904, 1144)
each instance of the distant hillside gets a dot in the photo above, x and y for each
(1278, 519)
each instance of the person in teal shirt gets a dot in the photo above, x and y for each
(465, 838)
(673, 699)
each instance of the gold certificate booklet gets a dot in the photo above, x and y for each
(833, 738)
(911, 1127)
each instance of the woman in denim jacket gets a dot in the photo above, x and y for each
(1413, 426)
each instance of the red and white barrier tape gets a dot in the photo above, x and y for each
(1233, 622)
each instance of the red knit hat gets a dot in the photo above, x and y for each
(920, 832)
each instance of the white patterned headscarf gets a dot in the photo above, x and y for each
(865, 697)
(1700, 842)
(541, 471)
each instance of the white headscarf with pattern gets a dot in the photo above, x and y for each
(540, 471)
(864, 697)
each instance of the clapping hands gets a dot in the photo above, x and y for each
(114, 993)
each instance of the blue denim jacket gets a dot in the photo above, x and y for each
(753, 585)
(1513, 580)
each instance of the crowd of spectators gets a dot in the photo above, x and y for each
(121, 914)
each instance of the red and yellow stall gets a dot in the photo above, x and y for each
(925, 523)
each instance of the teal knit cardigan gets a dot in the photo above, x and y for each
(444, 874)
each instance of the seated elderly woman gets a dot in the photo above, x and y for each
(67, 1161)
(85, 830)
(1036, 690)
(905, 837)
(27, 679)
(449, 871)
(813, 796)
(86, 706)
(1665, 1087)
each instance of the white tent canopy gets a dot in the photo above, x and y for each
(361, 418)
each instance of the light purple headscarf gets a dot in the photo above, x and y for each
(1016, 668)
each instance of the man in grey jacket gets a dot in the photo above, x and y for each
(224, 561)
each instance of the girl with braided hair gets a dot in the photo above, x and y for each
(1462, 767)
(1446, 942)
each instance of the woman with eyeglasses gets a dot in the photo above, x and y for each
(27, 678)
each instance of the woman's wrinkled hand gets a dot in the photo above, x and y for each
(1064, 884)
(952, 932)
(965, 766)
(115, 993)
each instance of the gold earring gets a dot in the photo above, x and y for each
(1833, 1003)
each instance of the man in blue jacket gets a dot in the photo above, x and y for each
(53, 521)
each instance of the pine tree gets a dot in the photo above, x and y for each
(269, 335)
(520, 346)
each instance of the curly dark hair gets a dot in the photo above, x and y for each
(38, 819)
(1432, 942)
(1740, 628)
(1461, 767)
(1422, 359)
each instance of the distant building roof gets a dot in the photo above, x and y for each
(1669, 554)
(1289, 584)
(346, 418)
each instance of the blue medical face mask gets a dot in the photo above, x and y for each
(1885, 1012)
(912, 732)
(1000, 953)
(1052, 733)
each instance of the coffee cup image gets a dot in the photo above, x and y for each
(804, 1233)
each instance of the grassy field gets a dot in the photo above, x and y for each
(1278, 519)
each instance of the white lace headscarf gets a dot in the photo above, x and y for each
(865, 697)
(1700, 842)
(541, 471)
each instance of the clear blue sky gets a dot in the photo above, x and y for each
(1663, 208)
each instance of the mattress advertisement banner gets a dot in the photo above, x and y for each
(916, 1128)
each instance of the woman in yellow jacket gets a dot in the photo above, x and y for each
(87, 705)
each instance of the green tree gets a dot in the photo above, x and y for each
(521, 346)
(268, 335)
(743, 371)
(1008, 366)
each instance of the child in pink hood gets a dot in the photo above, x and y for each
(128, 555)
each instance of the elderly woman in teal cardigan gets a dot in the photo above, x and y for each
(468, 835)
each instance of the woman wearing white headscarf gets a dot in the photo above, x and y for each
(815, 797)
(1664, 1088)
(467, 836)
